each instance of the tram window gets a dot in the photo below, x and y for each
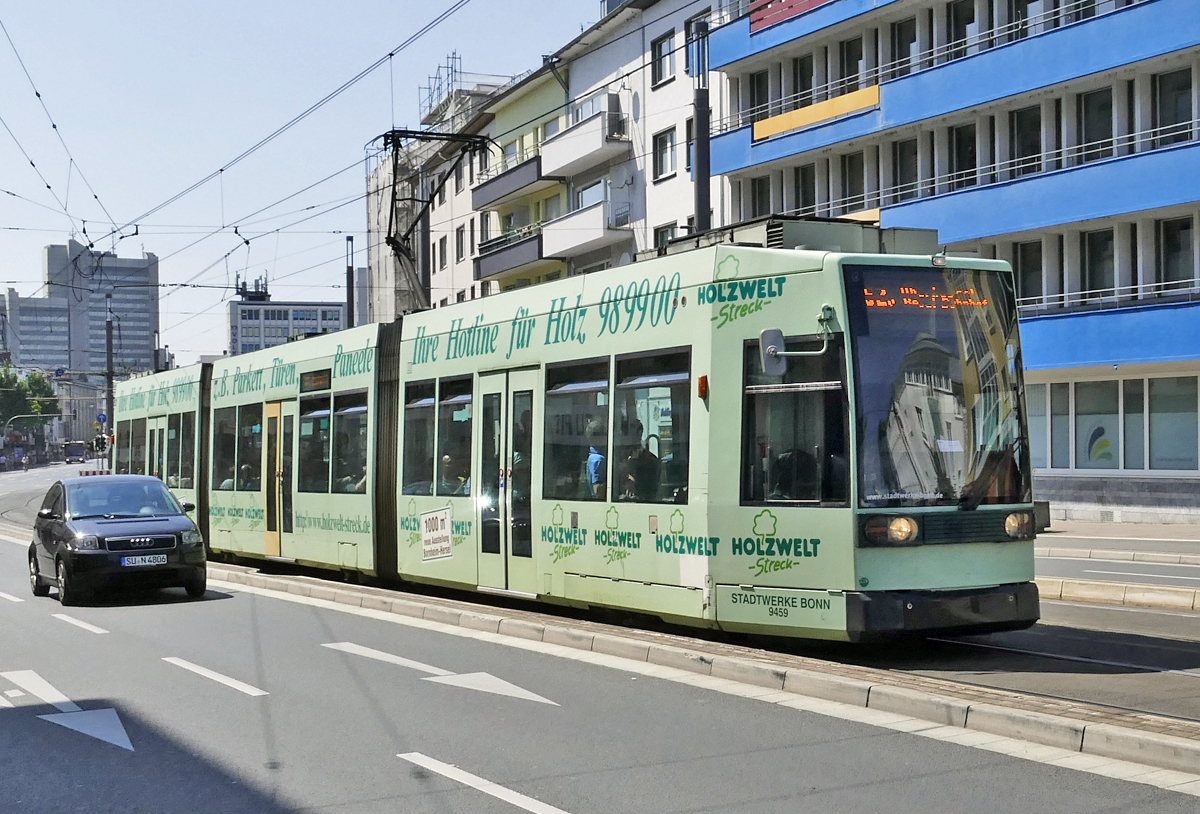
(187, 451)
(224, 449)
(575, 463)
(313, 471)
(795, 427)
(418, 439)
(454, 438)
(651, 420)
(122, 447)
(172, 473)
(249, 448)
(350, 442)
(137, 463)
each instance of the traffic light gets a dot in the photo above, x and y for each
(100, 444)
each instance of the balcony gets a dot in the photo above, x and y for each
(510, 178)
(519, 249)
(586, 230)
(596, 140)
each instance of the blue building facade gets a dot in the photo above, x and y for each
(1060, 135)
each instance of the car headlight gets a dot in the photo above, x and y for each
(87, 542)
(192, 537)
(1019, 525)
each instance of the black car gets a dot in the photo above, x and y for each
(110, 531)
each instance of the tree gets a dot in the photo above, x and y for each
(40, 394)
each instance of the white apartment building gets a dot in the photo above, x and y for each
(257, 322)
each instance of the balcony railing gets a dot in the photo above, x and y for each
(1071, 13)
(1170, 291)
(509, 238)
(987, 175)
(507, 162)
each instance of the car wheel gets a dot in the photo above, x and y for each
(36, 584)
(68, 594)
(197, 587)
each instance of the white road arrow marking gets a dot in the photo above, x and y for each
(102, 724)
(379, 655)
(486, 786)
(483, 682)
(10, 597)
(34, 684)
(4, 702)
(486, 682)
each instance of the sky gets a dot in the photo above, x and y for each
(151, 97)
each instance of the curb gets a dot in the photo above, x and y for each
(1117, 555)
(1101, 740)
(1132, 595)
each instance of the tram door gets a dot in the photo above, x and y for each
(156, 450)
(506, 480)
(272, 471)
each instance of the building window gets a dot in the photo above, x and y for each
(441, 189)
(471, 235)
(662, 59)
(962, 156)
(850, 58)
(458, 177)
(904, 46)
(1028, 257)
(802, 82)
(760, 196)
(550, 128)
(590, 195)
(664, 154)
(460, 243)
(853, 182)
(760, 95)
(1025, 139)
(1035, 401)
(959, 15)
(1098, 267)
(805, 181)
(1173, 423)
(1096, 425)
(905, 179)
(442, 245)
(1096, 124)
(1134, 398)
(1060, 426)
(662, 234)
(1176, 253)
(461, 296)
(484, 230)
(690, 131)
(1173, 107)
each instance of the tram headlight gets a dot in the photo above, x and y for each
(1019, 525)
(894, 530)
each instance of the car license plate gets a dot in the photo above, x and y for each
(145, 559)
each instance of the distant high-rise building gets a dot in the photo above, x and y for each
(64, 327)
(255, 322)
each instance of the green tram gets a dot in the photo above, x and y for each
(784, 442)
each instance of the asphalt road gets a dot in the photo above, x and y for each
(239, 703)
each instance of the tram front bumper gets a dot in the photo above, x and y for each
(882, 615)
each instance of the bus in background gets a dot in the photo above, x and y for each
(75, 452)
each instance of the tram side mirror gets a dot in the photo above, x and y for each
(770, 342)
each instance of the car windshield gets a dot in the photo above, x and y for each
(937, 363)
(105, 498)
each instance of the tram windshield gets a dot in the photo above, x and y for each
(937, 363)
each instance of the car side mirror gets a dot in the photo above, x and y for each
(47, 514)
(188, 507)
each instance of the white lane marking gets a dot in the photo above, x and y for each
(13, 693)
(217, 677)
(1081, 659)
(379, 655)
(1133, 772)
(1139, 562)
(34, 684)
(78, 623)
(10, 597)
(1133, 574)
(479, 784)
